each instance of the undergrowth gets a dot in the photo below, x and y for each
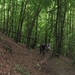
(73, 62)
(21, 70)
(0, 38)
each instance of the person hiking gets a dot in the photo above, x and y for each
(48, 47)
(42, 49)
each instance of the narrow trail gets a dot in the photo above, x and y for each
(61, 67)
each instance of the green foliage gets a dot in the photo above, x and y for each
(73, 63)
(13, 13)
(0, 38)
(21, 70)
(38, 64)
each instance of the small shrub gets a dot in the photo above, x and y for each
(0, 38)
(73, 62)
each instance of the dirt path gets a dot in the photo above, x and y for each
(61, 67)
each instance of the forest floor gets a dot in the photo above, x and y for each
(16, 59)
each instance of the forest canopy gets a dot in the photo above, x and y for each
(33, 22)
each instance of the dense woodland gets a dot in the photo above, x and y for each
(32, 22)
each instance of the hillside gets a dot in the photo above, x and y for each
(16, 59)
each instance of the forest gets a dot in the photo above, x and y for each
(33, 22)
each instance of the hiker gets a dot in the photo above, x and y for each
(48, 47)
(42, 49)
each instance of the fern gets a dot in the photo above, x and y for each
(0, 38)
(21, 70)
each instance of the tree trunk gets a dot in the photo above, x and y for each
(21, 19)
(32, 24)
(59, 27)
(7, 21)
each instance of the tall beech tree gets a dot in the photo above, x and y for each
(59, 25)
(33, 23)
(21, 19)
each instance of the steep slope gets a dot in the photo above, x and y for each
(15, 56)
(17, 59)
